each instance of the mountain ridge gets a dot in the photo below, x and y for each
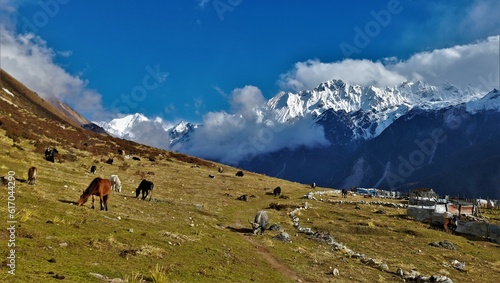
(382, 105)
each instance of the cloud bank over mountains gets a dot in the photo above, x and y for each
(475, 65)
(250, 129)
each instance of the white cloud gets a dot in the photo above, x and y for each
(309, 74)
(474, 64)
(246, 100)
(249, 131)
(28, 58)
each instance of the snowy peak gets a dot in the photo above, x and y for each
(491, 101)
(180, 133)
(155, 131)
(121, 126)
(368, 105)
(365, 112)
(337, 95)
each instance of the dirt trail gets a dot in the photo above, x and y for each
(274, 262)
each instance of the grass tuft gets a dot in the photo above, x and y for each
(134, 277)
(159, 274)
(25, 214)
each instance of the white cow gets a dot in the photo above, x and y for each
(484, 203)
(116, 184)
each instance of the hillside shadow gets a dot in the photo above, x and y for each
(67, 201)
(240, 230)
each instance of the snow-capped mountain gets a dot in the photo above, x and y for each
(491, 101)
(368, 110)
(125, 127)
(154, 132)
(371, 109)
(412, 135)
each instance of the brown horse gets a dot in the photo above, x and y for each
(98, 187)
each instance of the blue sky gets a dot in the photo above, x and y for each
(180, 60)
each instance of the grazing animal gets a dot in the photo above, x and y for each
(485, 203)
(211, 176)
(98, 187)
(260, 222)
(243, 198)
(344, 193)
(220, 170)
(239, 174)
(32, 175)
(110, 161)
(145, 188)
(50, 153)
(116, 184)
(152, 159)
(4, 181)
(313, 185)
(93, 169)
(121, 152)
(136, 158)
(277, 191)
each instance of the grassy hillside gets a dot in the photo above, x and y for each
(195, 230)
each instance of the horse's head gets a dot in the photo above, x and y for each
(83, 199)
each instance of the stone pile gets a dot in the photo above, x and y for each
(313, 196)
